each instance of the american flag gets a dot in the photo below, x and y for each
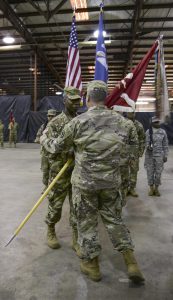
(73, 76)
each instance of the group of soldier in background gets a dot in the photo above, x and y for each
(13, 128)
(106, 148)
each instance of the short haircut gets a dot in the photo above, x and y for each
(97, 95)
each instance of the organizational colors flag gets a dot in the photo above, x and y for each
(124, 96)
(11, 116)
(73, 76)
(101, 67)
(161, 89)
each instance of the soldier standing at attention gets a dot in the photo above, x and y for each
(1, 134)
(13, 127)
(134, 162)
(130, 138)
(130, 153)
(44, 157)
(60, 190)
(96, 138)
(156, 155)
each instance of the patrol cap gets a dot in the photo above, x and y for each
(96, 85)
(51, 112)
(155, 120)
(72, 92)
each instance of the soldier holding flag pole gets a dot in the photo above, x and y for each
(122, 98)
(97, 139)
(72, 98)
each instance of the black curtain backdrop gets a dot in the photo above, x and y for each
(20, 106)
(51, 102)
(29, 121)
(36, 119)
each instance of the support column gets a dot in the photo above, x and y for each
(35, 81)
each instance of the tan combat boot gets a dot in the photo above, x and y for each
(91, 269)
(156, 191)
(133, 193)
(151, 191)
(132, 267)
(52, 240)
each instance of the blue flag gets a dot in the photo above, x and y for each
(101, 67)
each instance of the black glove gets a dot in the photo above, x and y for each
(165, 159)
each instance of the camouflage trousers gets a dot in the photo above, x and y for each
(124, 171)
(12, 138)
(1, 140)
(87, 206)
(133, 171)
(45, 166)
(128, 173)
(154, 168)
(56, 198)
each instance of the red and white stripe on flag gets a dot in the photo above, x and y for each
(73, 76)
(124, 96)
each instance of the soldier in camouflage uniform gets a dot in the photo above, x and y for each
(1, 134)
(131, 140)
(155, 155)
(13, 127)
(134, 161)
(60, 190)
(98, 143)
(44, 157)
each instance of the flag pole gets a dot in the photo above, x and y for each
(74, 11)
(101, 67)
(40, 200)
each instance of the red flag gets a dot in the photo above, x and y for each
(11, 116)
(73, 76)
(124, 97)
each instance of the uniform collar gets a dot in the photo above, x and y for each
(97, 107)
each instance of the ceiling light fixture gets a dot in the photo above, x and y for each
(8, 40)
(92, 43)
(10, 47)
(142, 102)
(58, 93)
(96, 33)
(80, 4)
(91, 68)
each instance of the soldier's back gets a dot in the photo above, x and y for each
(99, 139)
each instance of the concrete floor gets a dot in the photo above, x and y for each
(29, 270)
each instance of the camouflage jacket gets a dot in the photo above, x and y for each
(160, 143)
(1, 129)
(39, 133)
(141, 137)
(54, 129)
(13, 127)
(98, 137)
(129, 134)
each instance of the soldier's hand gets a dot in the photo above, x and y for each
(149, 148)
(130, 162)
(165, 159)
(42, 139)
(45, 131)
(71, 153)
